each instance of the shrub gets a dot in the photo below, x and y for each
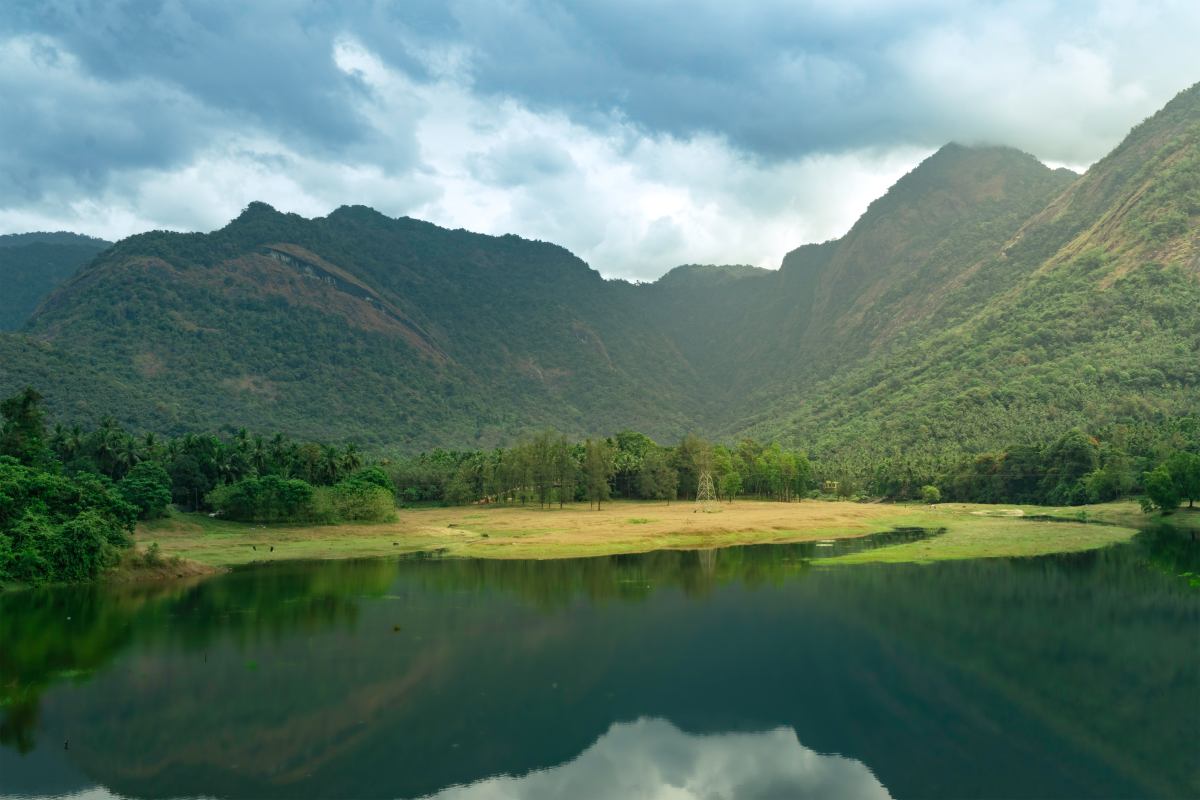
(266, 499)
(1161, 493)
(931, 494)
(376, 476)
(56, 528)
(358, 500)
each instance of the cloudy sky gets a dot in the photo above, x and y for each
(640, 135)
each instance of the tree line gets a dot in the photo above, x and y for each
(69, 498)
(547, 469)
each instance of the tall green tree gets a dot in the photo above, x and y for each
(1185, 474)
(1161, 493)
(597, 470)
(566, 471)
(148, 488)
(691, 457)
(658, 479)
(1068, 461)
(23, 435)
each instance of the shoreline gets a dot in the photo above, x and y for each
(195, 547)
(631, 527)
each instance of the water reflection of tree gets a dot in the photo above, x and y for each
(1173, 551)
(69, 633)
(632, 577)
(1091, 644)
(1093, 648)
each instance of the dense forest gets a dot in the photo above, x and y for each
(985, 302)
(69, 498)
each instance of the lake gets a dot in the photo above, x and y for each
(749, 672)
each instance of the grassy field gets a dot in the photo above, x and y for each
(985, 532)
(632, 527)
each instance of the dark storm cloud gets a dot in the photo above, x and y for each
(615, 127)
(267, 61)
(98, 87)
(785, 78)
(776, 79)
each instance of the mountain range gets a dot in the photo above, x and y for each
(985, 299)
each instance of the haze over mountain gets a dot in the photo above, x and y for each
(984, 298)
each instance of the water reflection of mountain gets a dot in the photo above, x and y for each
(1068, 676)
(67, 634)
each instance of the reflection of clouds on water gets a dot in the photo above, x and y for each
(651, 759)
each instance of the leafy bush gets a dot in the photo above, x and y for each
(270, 498)
(147, 487)
(266, 499)
(57, 528)
(375, 476)
(931, 494)
(1161, 493)
(359, 500)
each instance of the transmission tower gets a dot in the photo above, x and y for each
(705, 493)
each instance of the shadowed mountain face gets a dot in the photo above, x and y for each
(983, 299)
(33, 264)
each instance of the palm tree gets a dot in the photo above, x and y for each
(259, 456)
(127, 455)
(279, 453)
(74, 443)
(58, 441)
(351, 459)
(151, 446)
(329, 465)
(106, 444)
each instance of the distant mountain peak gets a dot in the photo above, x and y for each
(707, 275)
(51, 237)
(257, 207)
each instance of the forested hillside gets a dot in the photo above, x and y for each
(1095, 323)
(352, 326)
(908, 265)
(32, 264)
(985, 300)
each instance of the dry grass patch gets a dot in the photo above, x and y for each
(521, 532)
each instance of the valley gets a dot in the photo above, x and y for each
(536, 400)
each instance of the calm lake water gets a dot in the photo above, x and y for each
(750, 672)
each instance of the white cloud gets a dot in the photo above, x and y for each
(630, 203)
(651, 759)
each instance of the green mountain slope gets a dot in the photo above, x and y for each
(354, 325)
(985, 299)
(907, 265)
(1097, 322)
(32, 264)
